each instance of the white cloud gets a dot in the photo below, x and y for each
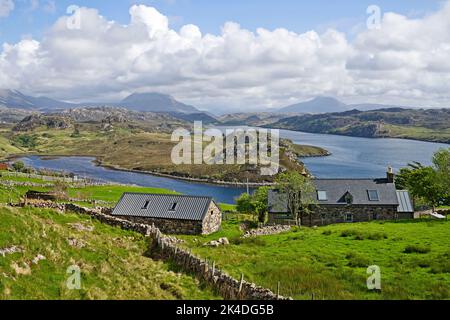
(407, 61)
(6, 6)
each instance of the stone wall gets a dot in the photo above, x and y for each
(164, 247)
(213, 219)
(169, 226)
(330, 214)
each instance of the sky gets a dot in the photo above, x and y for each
(230, 54)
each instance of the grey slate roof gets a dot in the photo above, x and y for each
(188, 207)
(358, 188)
(336, 190)
(405, 204)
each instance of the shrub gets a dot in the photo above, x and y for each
(377, 236)
(357, 260)
(249, 241)
(327, 232)
(417, 248)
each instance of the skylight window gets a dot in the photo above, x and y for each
(322, 195)
(146, 204)
(373, 195)
(173, 207)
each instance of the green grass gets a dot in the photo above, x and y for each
(331, 262)
(112, 263)
(111, 193)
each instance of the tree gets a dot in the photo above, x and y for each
(441, 161)
(244, 203)
(256, 204)
(298, 190)
(260, 203)
(18, 166)
(431, 184)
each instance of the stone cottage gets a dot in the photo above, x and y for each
(172, 214)
(346, 201)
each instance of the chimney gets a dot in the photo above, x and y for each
(390, 175)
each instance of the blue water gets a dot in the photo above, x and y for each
(85, 167)
(351, 158)
(362, 157)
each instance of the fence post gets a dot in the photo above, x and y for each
(241, 282)
(213, 268)
(278, 290)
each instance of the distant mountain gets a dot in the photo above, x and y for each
(317, 105)
(17, 100)
(144, 102)
(155, 102)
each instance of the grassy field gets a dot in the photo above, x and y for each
(108, 193)
(112, 261)
(331, 262)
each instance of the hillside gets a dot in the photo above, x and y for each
(421, 124)
(331, 262)
(39, 245)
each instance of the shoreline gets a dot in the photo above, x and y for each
(97, 162)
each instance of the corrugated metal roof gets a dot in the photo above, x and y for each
(159, 206)
(405, 204)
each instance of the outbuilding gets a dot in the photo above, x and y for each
(172, 214)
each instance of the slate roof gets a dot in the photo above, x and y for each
(405, 204)
(190, 208)
(358, 188)
(336, 189)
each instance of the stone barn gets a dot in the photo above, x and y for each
(172, 214)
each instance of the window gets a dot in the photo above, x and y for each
(349, 217)
(146, 204)
(173, 207)
(373, 195)
(322, 195)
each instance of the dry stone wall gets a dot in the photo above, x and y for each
(163, 246)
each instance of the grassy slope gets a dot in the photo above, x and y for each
(112, 264)
(110, 193)
(419, 133)
(327, 265)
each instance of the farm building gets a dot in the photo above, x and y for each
(172, 214)
(3, 166)
(346, 201)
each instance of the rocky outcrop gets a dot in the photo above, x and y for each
(37, 120)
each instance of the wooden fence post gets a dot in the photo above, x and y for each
(241, 282)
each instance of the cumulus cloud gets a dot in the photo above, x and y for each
(6, 6)
(407, 61)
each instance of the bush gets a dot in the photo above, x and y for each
(18, 166)
(249, 241)
(356, 260)
(327, 232)
(416, 248)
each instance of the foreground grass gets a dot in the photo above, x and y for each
(112, 262)
(331, 262)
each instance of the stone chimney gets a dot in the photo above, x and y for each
(390, 175)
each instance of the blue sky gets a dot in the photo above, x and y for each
(306, 49)
(294, 15)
